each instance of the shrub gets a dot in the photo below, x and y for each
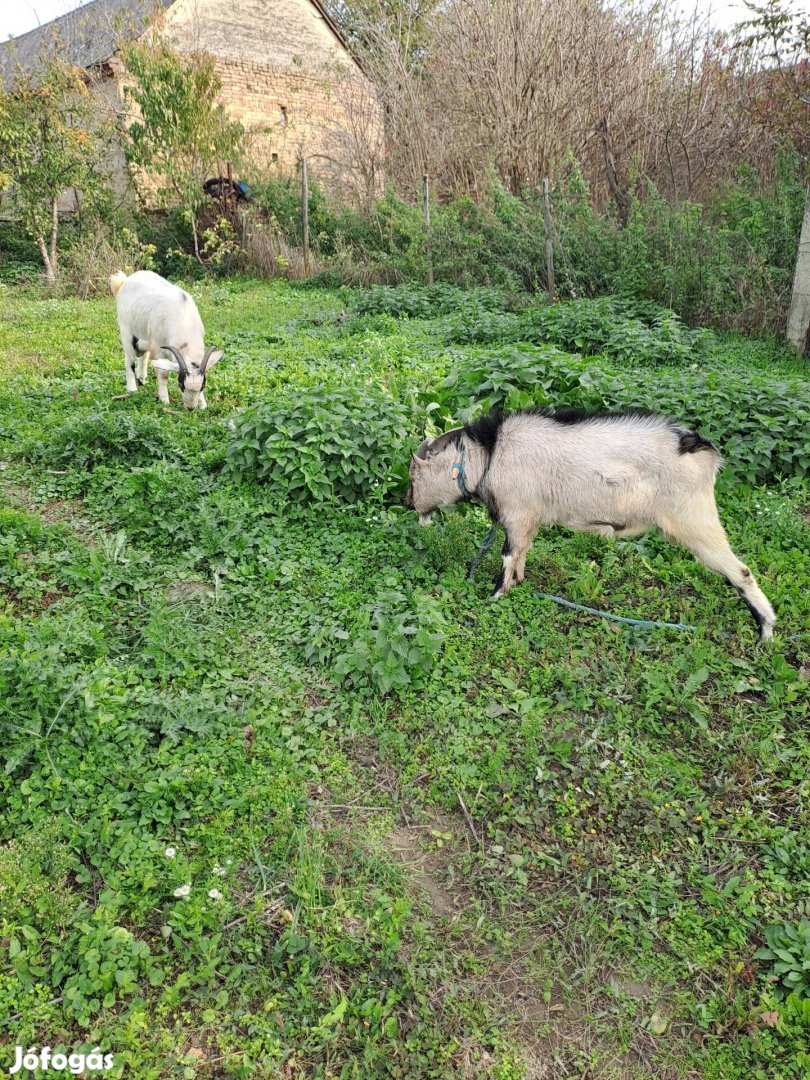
(279, 199)
(19, 259)
(336, 443)
(638, 331)
(88, 264)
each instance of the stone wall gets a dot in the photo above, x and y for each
(287, 33)
(332, 118)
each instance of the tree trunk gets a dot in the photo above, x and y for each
(50, 276)
(621, 200)
(54, 231)
(196, 239)
(798, 327)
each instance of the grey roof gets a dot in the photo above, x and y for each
(87, 36)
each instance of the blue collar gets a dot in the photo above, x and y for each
(457, 472)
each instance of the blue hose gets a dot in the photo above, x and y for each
(487, 544)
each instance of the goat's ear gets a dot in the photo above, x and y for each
(166, 365)
(212, 357)
(419, 462)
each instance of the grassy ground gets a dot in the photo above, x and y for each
(550, 850)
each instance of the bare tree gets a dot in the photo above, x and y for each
(525, 87)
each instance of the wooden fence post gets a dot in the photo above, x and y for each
(552, 292)
(231, 197)
(305, 213)
(426, 216)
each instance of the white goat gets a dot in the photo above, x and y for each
(615, 474)
(156, 316)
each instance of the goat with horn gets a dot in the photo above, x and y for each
(615, 474)
(155, 316)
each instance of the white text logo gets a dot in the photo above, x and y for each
(45, 1059)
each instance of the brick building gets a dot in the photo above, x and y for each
(287, 76)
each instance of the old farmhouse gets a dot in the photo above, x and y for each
(287, 75)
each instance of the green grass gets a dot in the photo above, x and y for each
(536, 845)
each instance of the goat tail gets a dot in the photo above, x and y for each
(116, 281)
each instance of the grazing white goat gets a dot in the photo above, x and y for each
(615, 474)
(155, 316)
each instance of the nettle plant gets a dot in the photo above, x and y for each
(624, 329)
(321, 444)
(427, 301)
(94, 438)
(760, 424)
(398, 641)
(788, 949)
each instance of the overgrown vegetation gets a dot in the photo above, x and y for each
(54, 133)
(285, 794)
(179, 130)
(727, 262)
(698, 212)
(338, 443)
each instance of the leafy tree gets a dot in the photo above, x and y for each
(53, 136)
(179, 132)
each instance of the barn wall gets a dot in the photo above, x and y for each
(287, 33)
(332, 119)
(290, 81)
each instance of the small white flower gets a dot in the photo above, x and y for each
(215, 894)
(220, 871)
(182, 890)
(228, 862)
(170, 852)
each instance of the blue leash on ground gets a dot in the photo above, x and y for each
(487, 544)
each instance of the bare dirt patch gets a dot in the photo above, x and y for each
(182, 592)
(428, 867)
(557, 989)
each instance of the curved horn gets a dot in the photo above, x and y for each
(206, 358)
(439, 443)
(178, 357)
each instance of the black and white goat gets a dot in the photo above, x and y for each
(615, 474)
(155, 316)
